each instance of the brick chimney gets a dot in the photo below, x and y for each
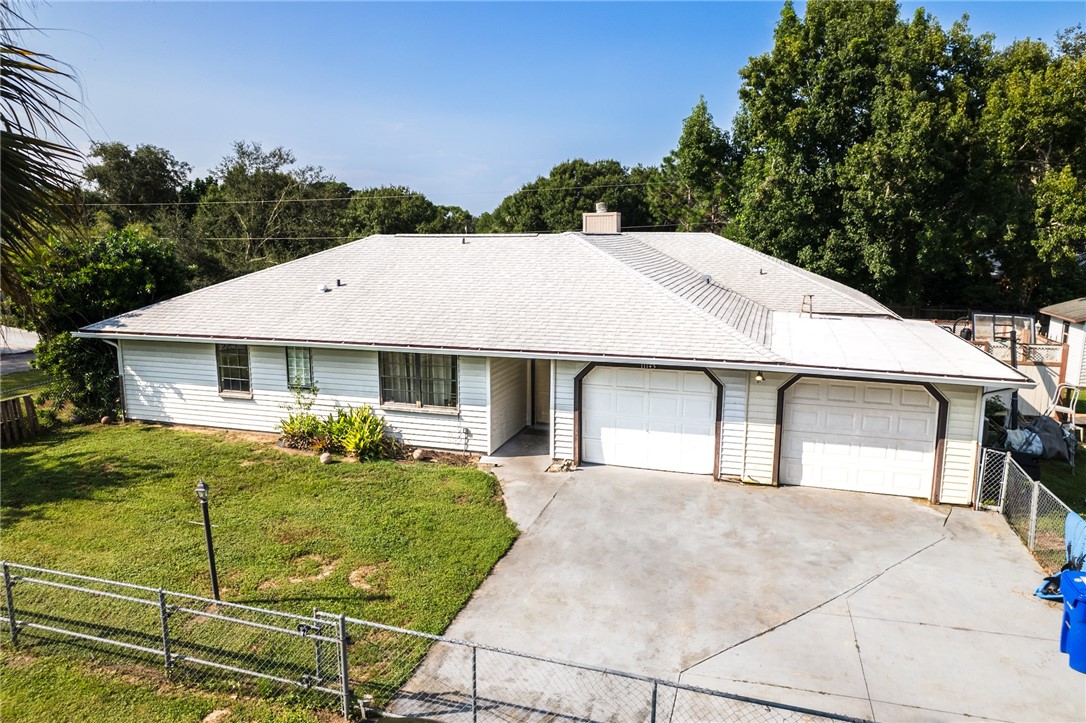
(601, 221)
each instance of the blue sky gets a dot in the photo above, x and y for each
(464, 102)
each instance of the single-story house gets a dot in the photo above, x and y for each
(672, 351)
(1067, 325)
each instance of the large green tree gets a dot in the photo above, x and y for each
(137, 185)
(261, 211)
(1034, 123)
(556, 201)
(697, 186)
(861, 157)
(398, 209)
(85, 280)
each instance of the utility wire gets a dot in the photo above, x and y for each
(355, 237)
(369, 198)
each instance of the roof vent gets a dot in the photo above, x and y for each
(323, 289)
(601, 221)
(707, 278)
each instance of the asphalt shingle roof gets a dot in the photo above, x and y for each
(642, 296)
(1073, 311)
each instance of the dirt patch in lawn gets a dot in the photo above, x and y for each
(216, 716)
(368, 577)
(325, 570)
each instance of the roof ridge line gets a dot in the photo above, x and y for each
(753, 344)
(878, 307)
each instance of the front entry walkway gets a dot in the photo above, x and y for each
(865, 605)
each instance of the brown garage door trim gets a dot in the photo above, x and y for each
(940, 423)
(577, 401)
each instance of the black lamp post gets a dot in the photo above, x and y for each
(201, 492)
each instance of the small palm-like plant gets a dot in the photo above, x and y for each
(39, 188)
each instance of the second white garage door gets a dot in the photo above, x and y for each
(865, 437)
(649, 418)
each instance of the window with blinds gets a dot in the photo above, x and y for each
(422, 380)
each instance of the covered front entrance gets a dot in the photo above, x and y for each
(859, 436)
(661, 419)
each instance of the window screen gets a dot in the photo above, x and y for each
(233, 364)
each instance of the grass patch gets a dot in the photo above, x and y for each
(30, 381)
(1056, 475)
(45, 688)
(402, 544)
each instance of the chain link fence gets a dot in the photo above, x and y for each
(409, 674)
(360, 667)
(1036, 514)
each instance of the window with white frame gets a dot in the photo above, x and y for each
(232, 361)
(422, 380)
(299, 367)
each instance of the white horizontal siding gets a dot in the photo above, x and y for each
(733, 430)
(762, 427)
(508, 399)
(562, 408)
(177, 383)
(1076, 355)
(960, 445)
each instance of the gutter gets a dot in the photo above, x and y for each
(741, 365)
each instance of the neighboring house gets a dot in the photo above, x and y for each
(672, 351)
(1067, 325)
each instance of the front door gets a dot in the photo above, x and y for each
(541, 391)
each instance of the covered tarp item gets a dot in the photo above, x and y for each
(1074, 539)
(1025, 441)
(1053, 438)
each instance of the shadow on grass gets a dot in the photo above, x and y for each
(33, 481)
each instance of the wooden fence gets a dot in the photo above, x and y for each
(18, 420)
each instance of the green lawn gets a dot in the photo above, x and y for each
(1056, 476)
(55, 689)
(400, 543)
(31, 381)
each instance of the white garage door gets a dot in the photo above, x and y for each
(649, 418)
(866, 437)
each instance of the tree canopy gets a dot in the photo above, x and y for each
(136, 184)
(86, 279)
(696, 187)
(556, 201)
(891, 154)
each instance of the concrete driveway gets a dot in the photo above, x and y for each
(863, 605)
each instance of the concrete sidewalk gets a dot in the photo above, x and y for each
(863, 605)
(16, 349)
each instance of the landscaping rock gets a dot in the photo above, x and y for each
(326, 458)
(107, 420)
(416, 455)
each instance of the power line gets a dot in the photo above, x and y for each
(268, 202)
(356, 237)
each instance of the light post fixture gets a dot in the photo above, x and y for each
(201, 492)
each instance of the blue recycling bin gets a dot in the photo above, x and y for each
(1073, 632)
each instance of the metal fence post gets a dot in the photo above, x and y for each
(318, 649)
(1032, 540)
(1006, 477)
(343, 671)
(11, 606)
(474, 684)
(652, 714)
(164, 614)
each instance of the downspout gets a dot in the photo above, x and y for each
(120, 376)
